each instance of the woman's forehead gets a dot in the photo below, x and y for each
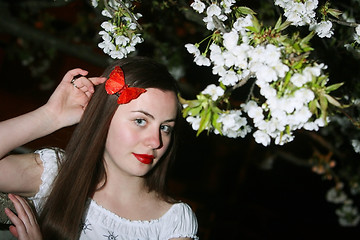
(156, 102)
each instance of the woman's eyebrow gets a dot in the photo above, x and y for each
(152, 117)
(145, 113)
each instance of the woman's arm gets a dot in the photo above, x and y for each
(64, 108)
(21, 173)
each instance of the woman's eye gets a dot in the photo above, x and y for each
(140, 122)
(166, 128)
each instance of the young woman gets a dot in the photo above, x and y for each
(110, 181)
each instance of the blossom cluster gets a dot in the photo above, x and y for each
(301, 13)
(235, 58)
(357, 34)
(356, 145)
(119, 36)
(234, 125)
(348, 214)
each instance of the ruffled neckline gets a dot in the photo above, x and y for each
(95, 205)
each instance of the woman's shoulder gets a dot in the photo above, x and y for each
(50, 159)
(181, 210)
(180, 221)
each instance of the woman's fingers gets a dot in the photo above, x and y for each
(13, 231)
(86, 85)
(25, 224)
(69, 76)
(97, 80)
(19, 227)
(25, 209)
(83, 84)
(22, 209)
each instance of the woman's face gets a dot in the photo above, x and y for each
(140, 133)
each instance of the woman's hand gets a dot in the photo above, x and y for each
(69, 100)
(64, 108)
(25, 225)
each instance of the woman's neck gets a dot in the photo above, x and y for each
(131, 200)
(123, 188)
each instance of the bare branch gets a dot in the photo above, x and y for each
(130, 14)
(322, 141)
(293, 159)
(348, 24)
(112, 12)
(12, 26)
(219, 25)
(110, 9)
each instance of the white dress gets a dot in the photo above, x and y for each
(99, 223)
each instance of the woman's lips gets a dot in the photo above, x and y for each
(144, 158)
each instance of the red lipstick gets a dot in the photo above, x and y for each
(144, 158)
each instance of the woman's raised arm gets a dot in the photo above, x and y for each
(21, 173)
(64, 108)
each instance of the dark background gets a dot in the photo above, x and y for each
(237, 188)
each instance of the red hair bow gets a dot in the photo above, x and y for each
(116, 85)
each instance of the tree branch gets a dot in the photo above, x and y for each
(291, 158)
(130, 14)
(12, 26)
(123, 6)
(348, 24)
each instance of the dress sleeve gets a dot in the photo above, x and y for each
(49, 158)
(183, 223)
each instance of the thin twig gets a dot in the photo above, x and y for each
(130, 14)
(322, 141)
(218, 24)
(242, 82)
(110, 9)
(251, 92)
(293, 159)
(349, 24)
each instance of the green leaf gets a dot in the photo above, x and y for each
(256, 25)
(297, 47)
(222, 86)
(283, 26)
(185, 112)
(334, 12)
(298, 64)
(204, 122)
(245, 10)
(313, 105)
(307, 49)
(253, 29)
(195, 111)
(333, 87)
(307, 39)
(278, 23)
(333, 101)
(323, 104)
(190, 103)
(215, 123)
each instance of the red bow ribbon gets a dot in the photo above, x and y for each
(116, 85)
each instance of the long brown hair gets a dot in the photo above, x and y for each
(83, 168)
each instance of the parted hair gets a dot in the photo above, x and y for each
(82, 169)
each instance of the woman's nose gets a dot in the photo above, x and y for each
(153, 139)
